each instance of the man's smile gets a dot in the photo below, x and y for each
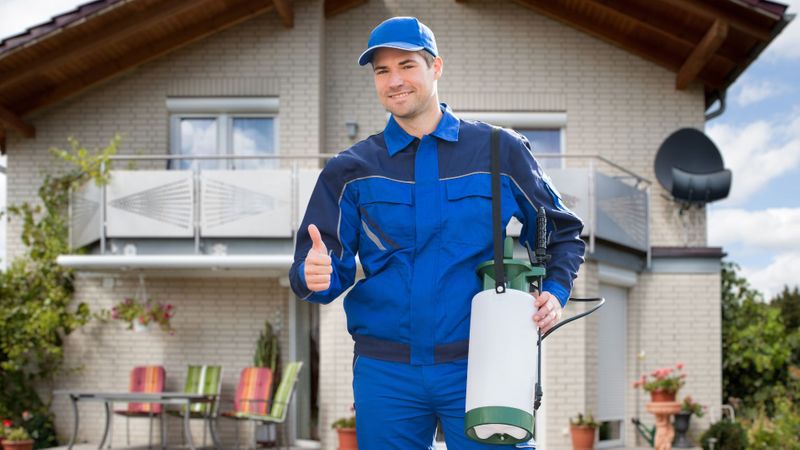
(400, 95)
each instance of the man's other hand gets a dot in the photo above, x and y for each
(318, 266)
(549, 311)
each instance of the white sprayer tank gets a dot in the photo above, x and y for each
(501, 370)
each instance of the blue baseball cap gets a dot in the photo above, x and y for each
(404, 33)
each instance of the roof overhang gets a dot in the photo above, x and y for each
(711, 42)
(105, 38)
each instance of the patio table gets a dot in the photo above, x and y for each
(165, 398)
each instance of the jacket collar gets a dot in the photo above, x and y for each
(397, 139)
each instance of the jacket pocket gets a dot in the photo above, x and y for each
(387, 213)
(468, 210)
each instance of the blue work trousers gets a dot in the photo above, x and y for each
(398, 404)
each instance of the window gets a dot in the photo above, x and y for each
(543, 130)
(545, 142)
(220, 126)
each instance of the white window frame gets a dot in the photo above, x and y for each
(524, 120)
(224, 110)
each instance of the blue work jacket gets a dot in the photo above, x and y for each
(418, 214)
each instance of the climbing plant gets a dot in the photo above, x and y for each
(36, 307)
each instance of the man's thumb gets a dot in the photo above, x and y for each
(316, 239)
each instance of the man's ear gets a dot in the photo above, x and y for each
(438, 67)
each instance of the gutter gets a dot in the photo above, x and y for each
(751, 57)
(213, 262)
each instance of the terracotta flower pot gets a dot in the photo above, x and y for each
(582, 437)
(347, 439)
(18, 445)
(662, 396)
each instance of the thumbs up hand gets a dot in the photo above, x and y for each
(318, 266)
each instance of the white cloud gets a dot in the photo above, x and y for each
(770, 280)
(758, 152)
(754, 92)
(770, 229)
(774, 231)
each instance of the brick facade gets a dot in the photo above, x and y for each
(498, 56)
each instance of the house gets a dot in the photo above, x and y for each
(596, 85)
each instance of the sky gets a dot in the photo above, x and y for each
(758, 225)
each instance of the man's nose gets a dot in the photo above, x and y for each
(395, 80)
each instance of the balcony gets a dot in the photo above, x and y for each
(244, 220)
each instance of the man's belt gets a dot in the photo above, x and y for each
(385, 350)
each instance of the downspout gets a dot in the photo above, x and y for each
(721, 110)
(752, 55)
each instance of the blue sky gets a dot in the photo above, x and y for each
(759, 137)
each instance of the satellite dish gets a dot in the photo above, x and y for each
(690, 167)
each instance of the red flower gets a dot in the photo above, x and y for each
(6, 423)
(679, 366)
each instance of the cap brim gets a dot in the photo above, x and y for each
(366, 57)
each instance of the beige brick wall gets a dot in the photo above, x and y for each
(256, 58)
(336, 374)
(217, 321)
(570, 360)
(618, 106)
(678, 319)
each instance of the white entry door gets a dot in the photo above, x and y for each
(611, 354)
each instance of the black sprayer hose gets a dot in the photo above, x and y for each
(601, 301)
(537, 400)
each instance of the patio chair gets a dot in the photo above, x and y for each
(279, 405)
(201, 380)
(144, 379)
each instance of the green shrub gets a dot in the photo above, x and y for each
(729, 436)
(780, 432)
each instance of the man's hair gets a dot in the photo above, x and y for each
(427, 57)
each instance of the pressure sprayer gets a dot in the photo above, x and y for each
(504, 388)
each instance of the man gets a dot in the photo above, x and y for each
(414, 202)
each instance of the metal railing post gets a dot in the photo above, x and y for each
(103, 211)
(592, 206)
(197, 213)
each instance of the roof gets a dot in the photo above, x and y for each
(711, 42)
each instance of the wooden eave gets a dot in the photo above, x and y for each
(709, 41)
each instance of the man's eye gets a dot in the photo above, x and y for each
(408, 67)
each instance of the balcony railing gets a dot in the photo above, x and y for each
(213, 205)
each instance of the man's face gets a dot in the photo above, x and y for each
(405, 84)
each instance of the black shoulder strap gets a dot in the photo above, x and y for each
(499, 271)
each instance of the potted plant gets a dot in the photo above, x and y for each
(688, 408)
(582, 428)
(663, 384)
(18, 439)
(346, 429)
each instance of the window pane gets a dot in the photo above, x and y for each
(545, 142)
(254, 136)
(198, 136)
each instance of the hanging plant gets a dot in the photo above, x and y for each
(140, 314)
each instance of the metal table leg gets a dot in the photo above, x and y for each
(186, 428)
(212, 427)
(74, 399)
(108, 425)
(163, 421)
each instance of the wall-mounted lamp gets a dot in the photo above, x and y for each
(352, 128)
